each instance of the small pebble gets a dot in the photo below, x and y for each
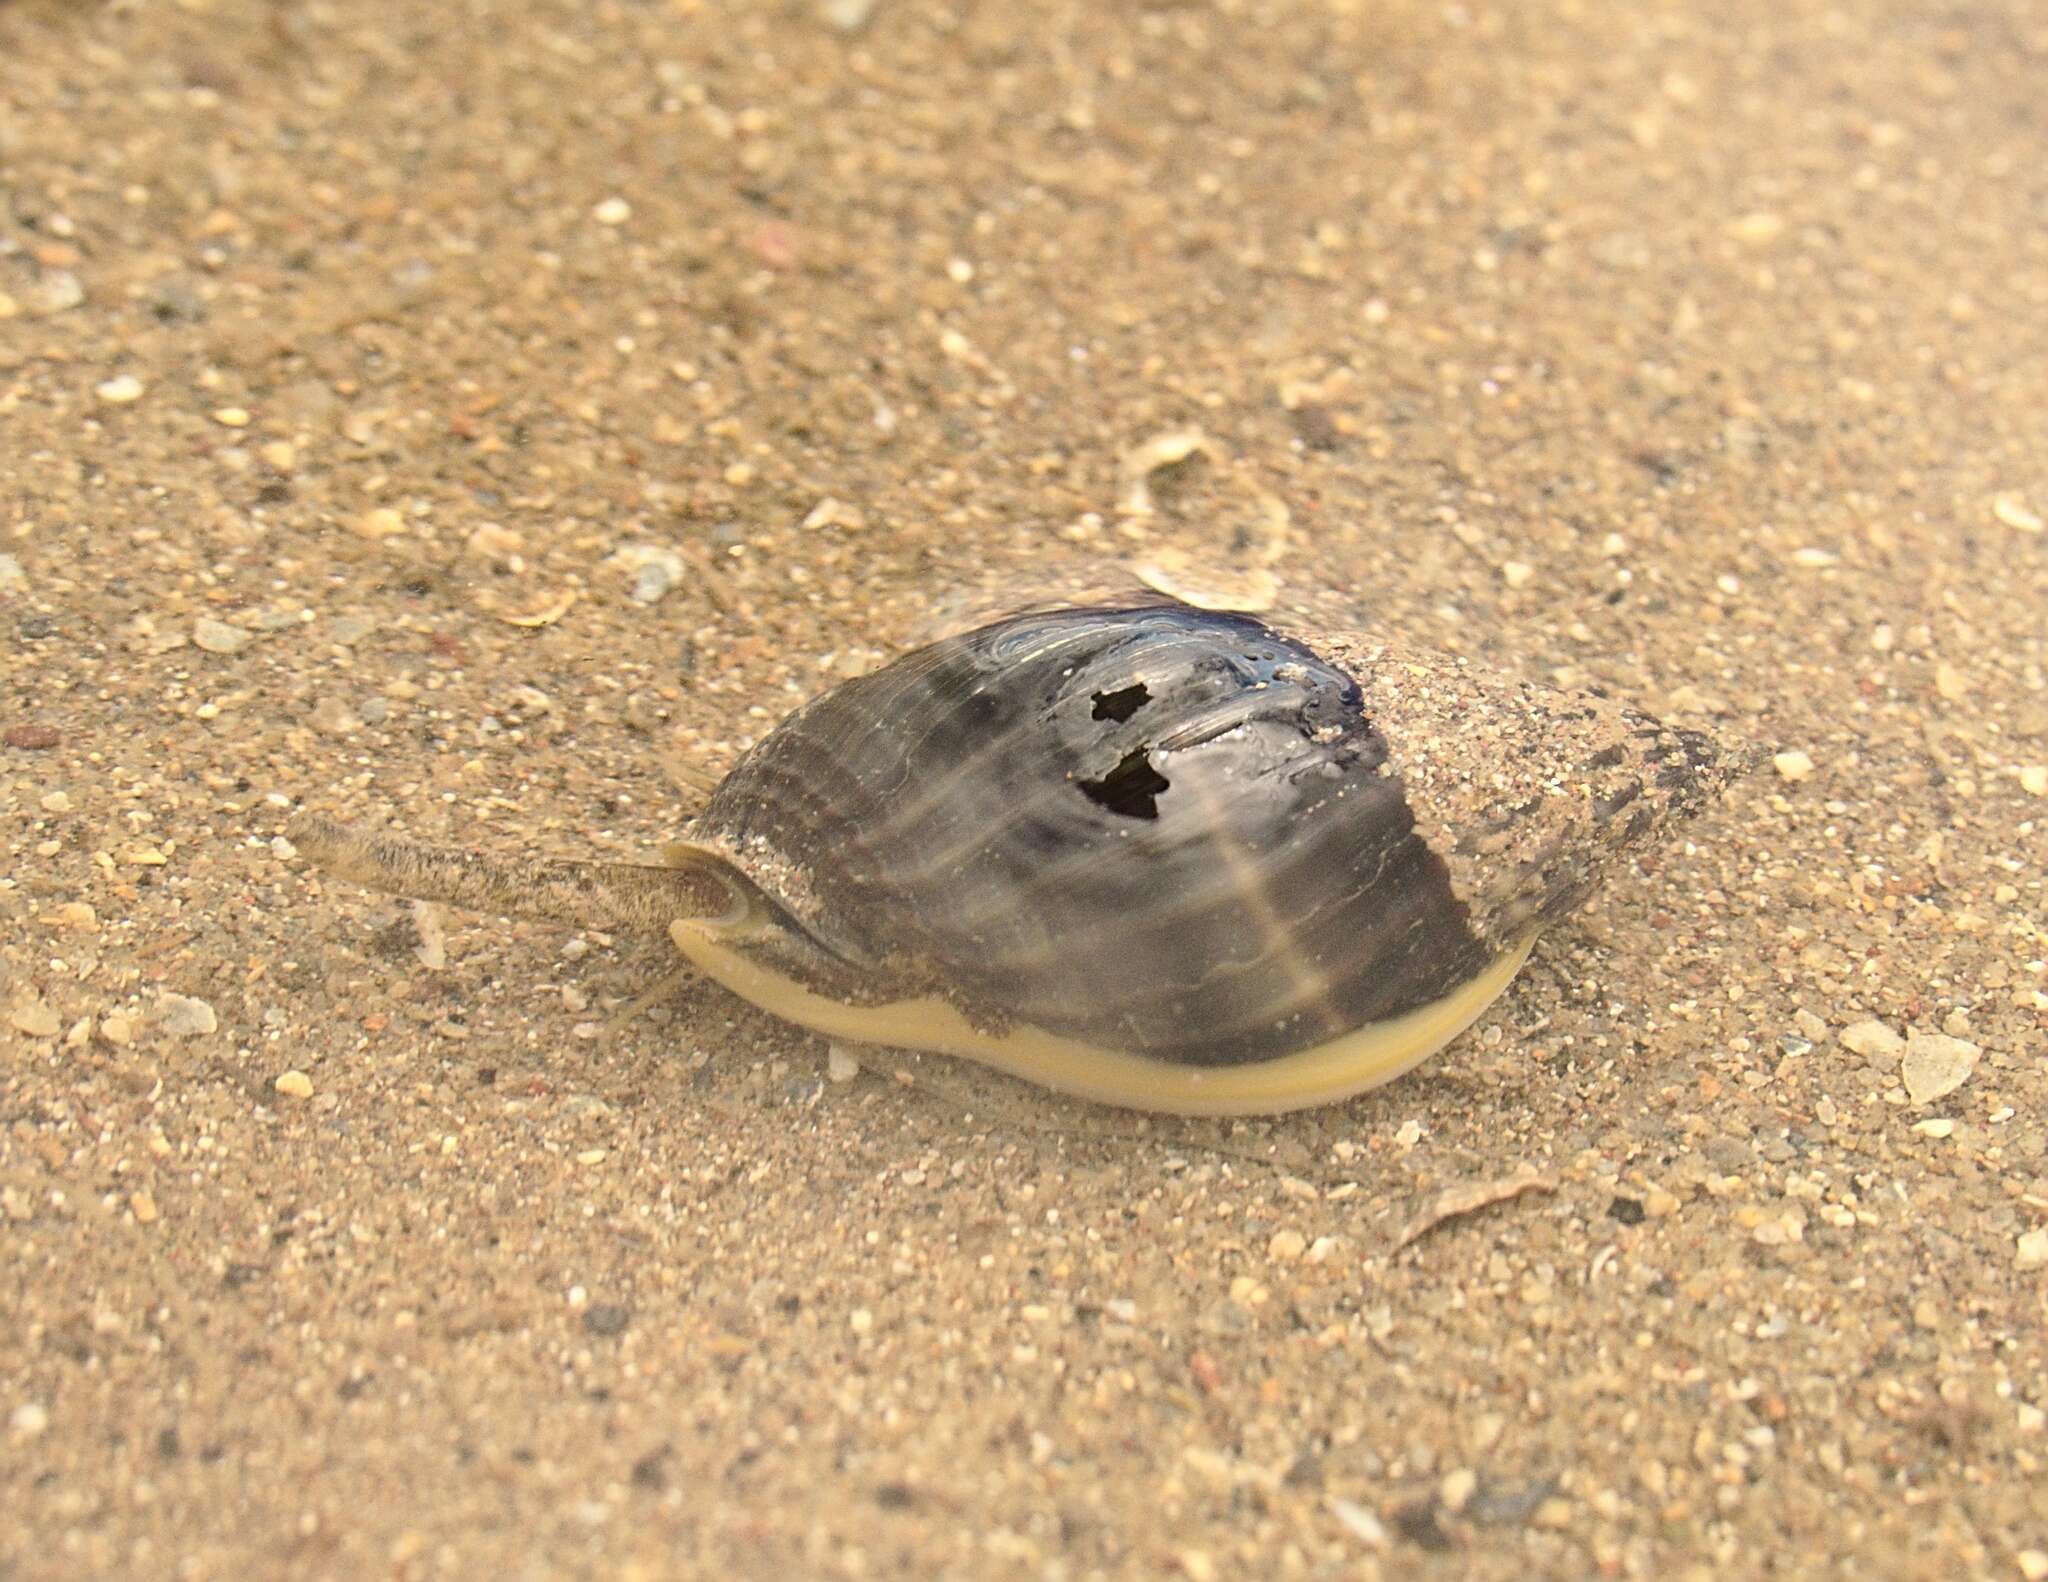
(33, 738)
(29, 1419)
(59, 291)
(1355, 1519)
(231, 417)
(183, 1017)
(607, 1319)
(848, 16)
(2033, 1564)
(840, 1066)
(121, 390)
(2013, 512)
(652, 583)
(1757, 228)
(37, 1020)
(1794, 766)
(2034, 779)
(143, 1207)
(829, 512)
(380, 523)
(1552, 1513)
(1873, 1040)
(332, 715)
(117, 1030)
(860, 1321)
(1517, 573)
(217, 637)
(294, 1085)
(2031, 1251)
(1286, 1246)
(12, 577)
(1936, 1065)
(613, 211)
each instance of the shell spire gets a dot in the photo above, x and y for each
(1528, 793)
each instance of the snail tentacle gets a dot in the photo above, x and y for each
(605, 895)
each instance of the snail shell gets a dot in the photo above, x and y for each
(1167, 858)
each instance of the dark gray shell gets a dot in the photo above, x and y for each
(1166, 830)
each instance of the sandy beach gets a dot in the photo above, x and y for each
(485, 421)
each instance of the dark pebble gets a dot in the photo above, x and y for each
(1418, 1524)
(607, 1319)
(34, 628)
(648, 1471)
(1315, 428)
(1628, 1210)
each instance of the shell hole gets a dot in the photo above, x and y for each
(1121, 704)
(1132, 788)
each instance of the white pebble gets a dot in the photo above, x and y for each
(1794, 765)
(2031, 1252)
(121, 390)
(613, 211)
(848, 16)
(30, 1419)
(2013, 512)
(1360, 1523)
(840, 1065)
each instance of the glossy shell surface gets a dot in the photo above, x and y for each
(1182, 834)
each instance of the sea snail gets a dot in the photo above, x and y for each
(1162, 857)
